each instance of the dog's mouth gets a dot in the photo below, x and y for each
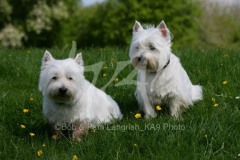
(61, 96)
(145, 64)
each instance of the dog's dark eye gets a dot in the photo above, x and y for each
(137, 48)
(69, 78)
(54, 78)
(151, 47)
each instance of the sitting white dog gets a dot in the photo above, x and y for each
(161, 78)
(69, 100)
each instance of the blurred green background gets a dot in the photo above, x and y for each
(55, 23)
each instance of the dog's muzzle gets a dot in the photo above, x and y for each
(140, 62)
(62, 91)
(61, 95)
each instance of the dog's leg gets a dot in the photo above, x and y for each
(149, 112)
(57, 131)
(176, 109)
(79, 130)
(148, 109)
(142, 96)
(144, 103)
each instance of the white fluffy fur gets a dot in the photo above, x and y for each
(161, 77)
(82, 102)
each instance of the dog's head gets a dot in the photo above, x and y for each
(150, 47)
(61, 80)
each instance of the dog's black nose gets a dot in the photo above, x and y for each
(62, 90)
(139, 59)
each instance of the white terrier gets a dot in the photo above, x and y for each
(69, 100)
(161, 78)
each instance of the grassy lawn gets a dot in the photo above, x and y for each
(205, 132)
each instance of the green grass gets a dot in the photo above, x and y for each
(205, 132)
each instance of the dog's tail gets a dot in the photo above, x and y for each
(196, 93)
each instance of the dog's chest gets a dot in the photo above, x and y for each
(157, 87)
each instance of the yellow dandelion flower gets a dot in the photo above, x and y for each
(32, 134)
(158, 108)
(39, 152)
(22, 126)
(138, 115)
(104, 67)
(104, 74)
(54, 137)
(31, 99)
(44, 145)
(214, 100)
(116, 80)
(75, 157)
(215, 105)
(225, 82)
(25, 110)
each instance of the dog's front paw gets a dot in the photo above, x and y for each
(150, 116)
(149, 112)
(175, 112)
(56, 132)
(79, 131)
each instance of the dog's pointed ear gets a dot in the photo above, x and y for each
(47, 57)
(163, 29)
(79, 59)
(137, 27)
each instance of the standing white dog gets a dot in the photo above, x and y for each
(161, 77)
(69, 100)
